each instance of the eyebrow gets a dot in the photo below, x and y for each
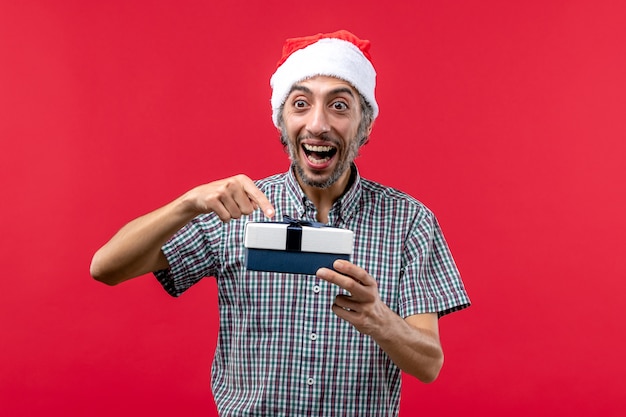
(307, 90)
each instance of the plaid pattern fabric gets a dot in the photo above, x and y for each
(281, 350)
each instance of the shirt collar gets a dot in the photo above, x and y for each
(343, 209)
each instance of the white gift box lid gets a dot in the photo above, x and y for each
(273, 236)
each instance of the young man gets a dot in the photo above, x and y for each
(332, 344)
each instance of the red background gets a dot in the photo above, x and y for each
(505, 118)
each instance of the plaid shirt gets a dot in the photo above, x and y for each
(281, 350)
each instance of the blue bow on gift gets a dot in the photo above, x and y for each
(296, 222)
(294, 232)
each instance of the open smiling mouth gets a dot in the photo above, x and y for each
(318, 155)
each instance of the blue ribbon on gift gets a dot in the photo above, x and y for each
(294, 232)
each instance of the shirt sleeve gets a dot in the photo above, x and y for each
(191, 255)
(431, 282)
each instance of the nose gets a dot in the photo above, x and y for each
(317, 123)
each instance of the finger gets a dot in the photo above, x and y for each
(343, 281)
(222, 212)
(345, 302)
(233, 206)
(353, 317)
(239, 202)
(257, 197)
(355, 272)
(342, 313)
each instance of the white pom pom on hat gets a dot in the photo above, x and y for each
(339, 54)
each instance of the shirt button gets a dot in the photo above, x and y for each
(313, 336)
(310, 381)
(316, 289)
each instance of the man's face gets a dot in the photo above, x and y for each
(320, 126)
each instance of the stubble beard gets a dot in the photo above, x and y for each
(293, 149)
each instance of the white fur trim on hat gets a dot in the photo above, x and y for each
(329, 56)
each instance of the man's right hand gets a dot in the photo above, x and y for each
(136, 248)
(229, 198)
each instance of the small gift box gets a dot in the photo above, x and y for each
(295, 246)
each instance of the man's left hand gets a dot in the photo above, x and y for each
(363, 307)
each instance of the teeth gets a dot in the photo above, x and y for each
(317, 161)
(313, 148)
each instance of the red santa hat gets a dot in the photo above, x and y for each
(339, 54)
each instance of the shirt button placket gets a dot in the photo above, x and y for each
(310, 381)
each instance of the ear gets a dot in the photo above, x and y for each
(283, 139)
(366, 138)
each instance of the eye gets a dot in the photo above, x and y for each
(339, 105)
(299, 104)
